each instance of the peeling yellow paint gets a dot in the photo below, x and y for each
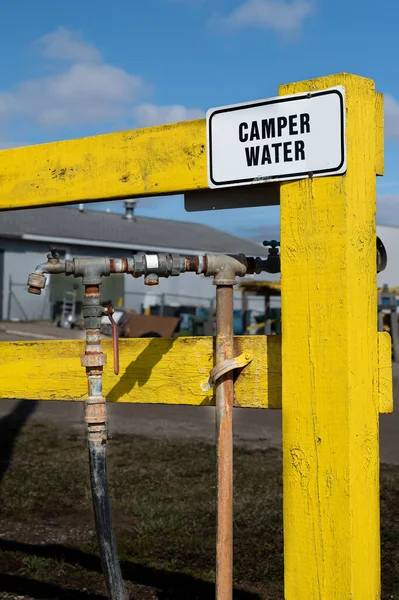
(385, 390)
(158, 371)
(329, 357)
(379, 130)
(152, 371)
(152, 161)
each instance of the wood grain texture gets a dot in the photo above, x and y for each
(143, 162)
(329, 357)
(379, 131)
(50, 370)
(385, 388)
(153, 371)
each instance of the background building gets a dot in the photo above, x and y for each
(25, 236)
(389, 235)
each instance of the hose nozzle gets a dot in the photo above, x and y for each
(36, 283)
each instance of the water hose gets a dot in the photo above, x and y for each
(96, 418)
(103, 520)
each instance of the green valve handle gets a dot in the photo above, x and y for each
(272, 243)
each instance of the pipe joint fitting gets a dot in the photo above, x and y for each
(160, 264)
(96, 413)
(92, 312)
(93, 360)
(224, 269)
(138, 265)
(90, 269)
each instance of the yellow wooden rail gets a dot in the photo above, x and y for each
(143, 162)
(156, 371)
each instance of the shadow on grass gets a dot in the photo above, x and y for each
(16, 584)
(389, 532)
(169, 586)
(10, 428)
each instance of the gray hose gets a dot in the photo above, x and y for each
(103, 519)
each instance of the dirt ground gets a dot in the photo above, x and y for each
(163, 499)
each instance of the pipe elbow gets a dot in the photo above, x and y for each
(40, 269)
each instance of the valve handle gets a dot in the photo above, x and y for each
(53, 252)
(115, 339)
(272, 243)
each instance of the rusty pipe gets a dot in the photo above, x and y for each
(96, 419)
(224, 444)
(152, 266)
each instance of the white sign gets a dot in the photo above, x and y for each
(288, 137)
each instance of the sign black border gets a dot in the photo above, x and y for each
(305, 96)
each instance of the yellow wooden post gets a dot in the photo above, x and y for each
(329, 355)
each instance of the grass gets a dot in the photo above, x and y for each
(163, 497)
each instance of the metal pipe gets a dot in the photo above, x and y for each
(152, 266)
(96, 418)
(224, 440)
(224, 269)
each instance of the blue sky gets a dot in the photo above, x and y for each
(80, 68)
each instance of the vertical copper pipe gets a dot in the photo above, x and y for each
(224, 441)
(115, 338)
(115, 344)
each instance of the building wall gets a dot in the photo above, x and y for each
(20, 259)
(390, 238)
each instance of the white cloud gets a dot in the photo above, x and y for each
(67, 45)
(388, 209)
(391, 108)
(86, 91)
(283, 16)
(150, 114)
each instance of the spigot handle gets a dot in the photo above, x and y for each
(271, 243)
(53, 252)
(115, 337)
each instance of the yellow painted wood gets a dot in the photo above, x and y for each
(385, 388)
(379, 130)
(143, 162)
(153, 371)
(50, 370)
(329, 357)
